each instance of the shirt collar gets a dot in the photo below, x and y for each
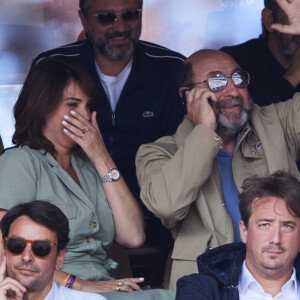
(247, 279)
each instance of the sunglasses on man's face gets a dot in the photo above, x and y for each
(107, 18)
(17, 245)
(218, 81)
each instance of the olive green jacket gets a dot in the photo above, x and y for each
(181, 183)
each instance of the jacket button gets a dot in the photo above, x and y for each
(93, 224)
(217, 139)
(88, 240)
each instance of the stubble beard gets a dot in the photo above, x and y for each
(122, 52)
(35, 282)
(231, 123)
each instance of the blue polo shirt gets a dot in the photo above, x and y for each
(231, 193)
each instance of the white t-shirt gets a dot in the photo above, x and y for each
(59, 292)
(113, 85)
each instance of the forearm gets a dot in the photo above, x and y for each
(170, 178)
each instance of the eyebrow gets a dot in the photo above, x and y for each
(73, 98)
(217, 71)
(272, 220)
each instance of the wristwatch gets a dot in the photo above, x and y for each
(112, 175)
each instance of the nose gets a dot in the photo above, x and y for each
(231, 89)
(27, 255)
(119, 25)
(85, 112)
(276, 235)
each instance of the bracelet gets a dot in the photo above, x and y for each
(65, 281)
(71, 281)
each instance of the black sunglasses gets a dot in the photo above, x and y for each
(40, 248)
(218, 81)
(107, 18)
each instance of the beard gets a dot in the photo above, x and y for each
(231, 123)
(115, 52)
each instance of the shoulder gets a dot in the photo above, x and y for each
(159, 53)
(246, 50)
(18, 155)
(73, 50)
(197, 286)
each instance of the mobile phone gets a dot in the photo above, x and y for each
(183, 98)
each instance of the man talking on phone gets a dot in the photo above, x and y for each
(191, 180)
(35, 235)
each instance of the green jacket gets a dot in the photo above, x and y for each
(181, 184)
(27, 174)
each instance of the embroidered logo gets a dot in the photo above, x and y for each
(148, 114)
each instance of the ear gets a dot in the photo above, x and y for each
(181, 89)
(83, 20)
(60, 259)
(267, 19)
(243, 231)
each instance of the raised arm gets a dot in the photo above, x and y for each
(292, 10)
(128, 217)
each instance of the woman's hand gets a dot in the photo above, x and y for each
(88, 136)
(121, 285)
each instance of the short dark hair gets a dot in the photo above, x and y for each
(280, 185)
(184, 76)
(271, 4)
(42, 92)
(43, 213)
(85, 5)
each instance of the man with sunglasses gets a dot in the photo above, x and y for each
(138, 99)
(273, 60)
(191, 180)
(35, 235)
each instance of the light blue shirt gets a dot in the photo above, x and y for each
(231, 193)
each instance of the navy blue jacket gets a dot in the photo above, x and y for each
(266, 82)
(219, 273)
(149, 106)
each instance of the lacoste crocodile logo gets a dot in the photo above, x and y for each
(148, 114)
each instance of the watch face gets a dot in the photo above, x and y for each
(114, 173)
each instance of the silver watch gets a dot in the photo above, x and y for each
(112, 175)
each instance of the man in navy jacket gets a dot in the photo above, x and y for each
(138, 94)
(269, 262)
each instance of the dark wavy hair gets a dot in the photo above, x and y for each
(43, 213)
(41, 94)
(280, 185)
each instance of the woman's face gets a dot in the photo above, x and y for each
(73, 99)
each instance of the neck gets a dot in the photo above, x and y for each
(38, 295)
(229, 143)
(64, 158)
(277, 51)
(271, 283)
(108, 66)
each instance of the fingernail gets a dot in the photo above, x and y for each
(65, 130)
(66, 117)
(73, 112)
(141, 279)
(64, 122)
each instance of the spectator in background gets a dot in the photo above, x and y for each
(273, 61)
(138, 100)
